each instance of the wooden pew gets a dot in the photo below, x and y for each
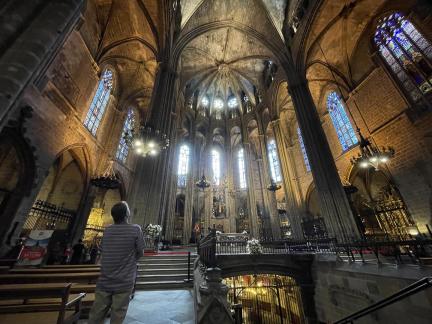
(77, 277)
(39, 303)
(50, 270)
(70, 266)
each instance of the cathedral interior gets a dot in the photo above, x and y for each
(303, 124)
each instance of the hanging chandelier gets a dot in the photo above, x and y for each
(108, 179)
(273, 186)
(146, 141)
(370, 155)
(202, 183)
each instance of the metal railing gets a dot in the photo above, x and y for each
(398, 251)
(410, 251)
(412, 289)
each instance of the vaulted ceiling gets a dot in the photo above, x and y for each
(129, 39)
(229, 59)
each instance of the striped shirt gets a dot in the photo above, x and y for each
(122, 245)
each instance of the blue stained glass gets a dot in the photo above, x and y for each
(274, 161)
(123, 148)
(242, 169)
(216, 167)
(99, 102)
(303, 149)
(406, 51)
(341, 122)
(183, 165)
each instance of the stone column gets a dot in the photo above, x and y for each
(30, 38)
(252, 209)
(168, 224)
(154, 175)
(229, 191)
(292, 206)
(208, 195)
(333, 201)
(269, 198)
(189, 197)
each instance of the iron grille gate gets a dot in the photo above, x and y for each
(266, 299)
(44, 215)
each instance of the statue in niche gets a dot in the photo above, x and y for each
(242, 221)
(219, 206)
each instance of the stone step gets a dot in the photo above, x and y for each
(163, 265)
(156, 271)
(163, 260)
(161, 277)
(160, 285)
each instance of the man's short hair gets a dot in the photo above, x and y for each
(120, 212)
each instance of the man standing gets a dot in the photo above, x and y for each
(122, 245)
(78, 252)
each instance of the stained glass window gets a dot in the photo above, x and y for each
(241, 169)
(274, 161)
(303, 149)
(99, 103)
(341, 122)
(183, 165)
(123, 148)
(407, 53)
(216, 167)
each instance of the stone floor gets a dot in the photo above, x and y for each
(160, 307)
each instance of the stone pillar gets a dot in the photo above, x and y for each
(30, 37)
(292, 206)
(252, 209)
(212, 305)
(333, 201)
(190, 190)
(269, 197)
(154, 175)
(229, 191)
(168, 223)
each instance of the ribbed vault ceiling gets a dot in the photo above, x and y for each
(223, 63)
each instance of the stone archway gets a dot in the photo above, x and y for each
(60, 197)
(17, 173)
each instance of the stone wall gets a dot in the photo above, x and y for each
(342, 289)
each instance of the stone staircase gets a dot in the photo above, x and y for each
(169, 271)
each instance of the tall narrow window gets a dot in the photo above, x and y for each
(341, 122)
(407, 52)
(216, 167)
(183, 165)
(123, 148)
(274, 161)
(241, 169)
(99, 103)
(303, 149)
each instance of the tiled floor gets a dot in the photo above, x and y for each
(160, 307)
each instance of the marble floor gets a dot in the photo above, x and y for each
(160, 307)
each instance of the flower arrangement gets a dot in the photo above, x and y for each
(253, 246)
(153, 230)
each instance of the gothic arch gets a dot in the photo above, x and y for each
(15, 149)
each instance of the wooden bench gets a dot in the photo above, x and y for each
(70, 266)
(14, 278)
(39, 303)
(51, 270)
(4, 269)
